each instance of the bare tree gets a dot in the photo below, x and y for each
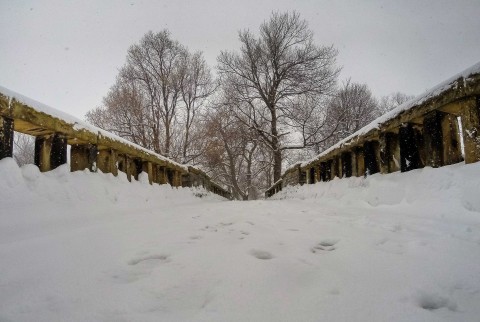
(158, 97)
(23, 149)
(196, 86)
(355, 106)
(155, 64)
(235, 154)
(389, 102)
(274, 74)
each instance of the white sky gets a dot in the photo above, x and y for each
(66, 54)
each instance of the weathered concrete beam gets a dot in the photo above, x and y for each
(83, 156)
(6, 137)
(470, 117)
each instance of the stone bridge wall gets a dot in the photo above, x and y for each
(91, 148)
(422, 132)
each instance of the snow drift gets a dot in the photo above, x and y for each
(92, 247)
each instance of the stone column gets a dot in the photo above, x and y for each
(6, 137)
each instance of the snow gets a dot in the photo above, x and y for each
(93, 247)
(79, 125)
(375, 124)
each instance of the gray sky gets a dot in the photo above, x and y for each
(66, 54)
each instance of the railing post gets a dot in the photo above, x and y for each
(83, 156)
(6, 137)
(107, 161)
(470, 114)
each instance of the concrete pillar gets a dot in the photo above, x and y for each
(107, 161)
(371, 151)
(83, 156)
(409, 148)
(452, 150)
(162, 175)
(148, 168)
(58, 154)
(50, 151)
(470, 115)
(6, 137)
(360, 161)
(346, 158)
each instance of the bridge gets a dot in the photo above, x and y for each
(426, 131)
(90, 147)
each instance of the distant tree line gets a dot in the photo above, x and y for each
(273, 101)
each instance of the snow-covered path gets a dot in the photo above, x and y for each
(304, 257)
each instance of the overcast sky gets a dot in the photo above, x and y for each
(66, 54)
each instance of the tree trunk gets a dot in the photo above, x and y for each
(277, 152)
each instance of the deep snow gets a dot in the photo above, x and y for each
(92, 247)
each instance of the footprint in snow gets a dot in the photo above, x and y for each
(325, 245)
(261, 254)
(150, 259)
(432, 302)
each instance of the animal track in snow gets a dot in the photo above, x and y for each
(432, 302)
(261, 254)
(149, 259)
(325, 245)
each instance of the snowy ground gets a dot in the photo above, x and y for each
(91, 247)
